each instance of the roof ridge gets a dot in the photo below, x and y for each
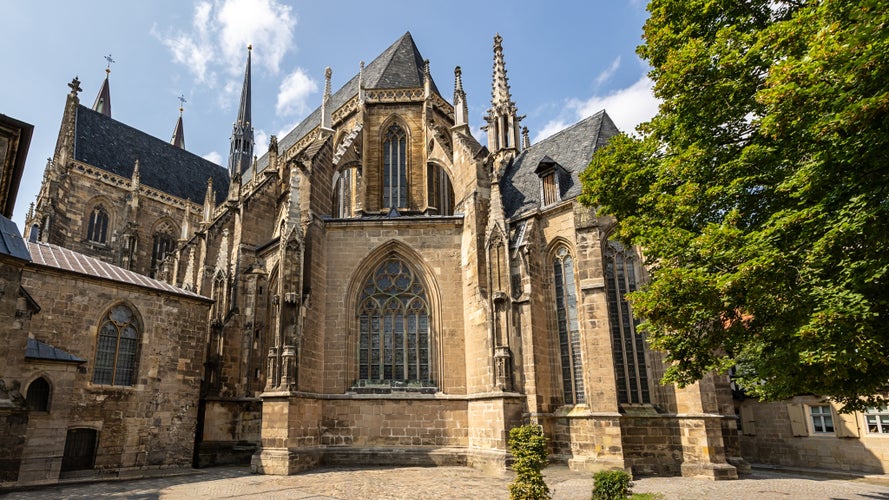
(570, 127)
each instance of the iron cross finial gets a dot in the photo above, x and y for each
(181, 101)
(109, 60)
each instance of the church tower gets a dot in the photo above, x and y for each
(241, 154)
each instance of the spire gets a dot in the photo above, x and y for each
(178, 139)
(500, 95)
(461, 108)
(241, 152)
(103, 100)
(503, 122)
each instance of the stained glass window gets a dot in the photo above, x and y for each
(395, 168)
(568, 326)
(97, 231)
(627, 344)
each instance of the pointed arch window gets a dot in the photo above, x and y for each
(161, 246)
(345, 192)
(568, 326)
(393, 321)
(97, 230)
(628, 345)
(118, 347)
(395, 168)
(38, 395)
(439, 191)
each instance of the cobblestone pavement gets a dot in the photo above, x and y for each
(446, 483)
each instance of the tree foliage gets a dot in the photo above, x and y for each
(759, 193)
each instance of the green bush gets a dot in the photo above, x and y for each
(611, 485)
(528, 446)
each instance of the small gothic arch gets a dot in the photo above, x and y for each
(98, 219)
(163, 243)
(439, 189)
(119, 337)
(39, 394)
(393, 306)
(346, 190)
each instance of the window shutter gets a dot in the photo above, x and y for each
(748, 423)
(847, 425)
(797, 415)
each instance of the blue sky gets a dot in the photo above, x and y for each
(565, 61)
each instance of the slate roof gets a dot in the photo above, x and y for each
(113, 146)
(399, 67)
(11, 242)
(40, 350)
(45, 254)
(571, 149)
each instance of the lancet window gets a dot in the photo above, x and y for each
(568, 326)
(395, 168)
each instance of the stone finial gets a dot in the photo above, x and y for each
(461, 107)
(75, 87)
(222, 256)
(209, 201)
(30, 212)
(325, 112)
(136, 176)
(188, 280)
(361, 82)
(186, 223)
(526, 140)
(427, 79)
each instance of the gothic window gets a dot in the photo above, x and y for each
(568, 326)
(395, 168)
(97, 231)
(162, 245)
(118, 348)
(393, 320)
(628, 345)
(38, 395)
(439, 191)
(345, 193)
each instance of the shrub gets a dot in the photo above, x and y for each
(611, 485)
(528, 446)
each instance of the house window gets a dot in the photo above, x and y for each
(822, 421)
(439, 191)
(395, 168)
(877, 420)
(117, 349)
(38, 395)
(568, 326)
(550, 188)
(628, 345)
(393, 321)
(97, 231)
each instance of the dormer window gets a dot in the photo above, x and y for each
(548, 171)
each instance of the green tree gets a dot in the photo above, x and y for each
(528, 447)
(759, 193)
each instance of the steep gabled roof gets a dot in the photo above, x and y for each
(56, 257)
(108, 144)
(399, 67)
(572, 149)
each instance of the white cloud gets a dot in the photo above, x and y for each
(260, 142)
(213, 156)
(221, 31)
(605, 75)
(266, 24)
(628, 107)
(294, 93)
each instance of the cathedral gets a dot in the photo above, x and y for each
(379, 286)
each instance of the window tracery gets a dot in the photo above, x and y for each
(97, 230)
(568, 327)
(117, 347)
(395, 168)
(394, 326)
